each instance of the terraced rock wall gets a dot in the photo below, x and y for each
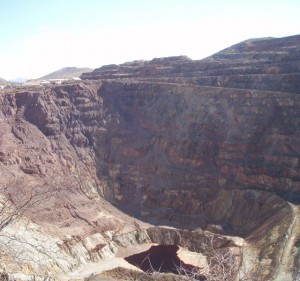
(211, 145)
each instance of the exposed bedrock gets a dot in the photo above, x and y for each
(170, 154)
(194, 155)
(190, 150)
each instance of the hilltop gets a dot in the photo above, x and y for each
(66, 72)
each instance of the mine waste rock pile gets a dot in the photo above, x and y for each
(196, 159)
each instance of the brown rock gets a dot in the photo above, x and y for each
(211, 144)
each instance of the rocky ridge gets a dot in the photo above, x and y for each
(266, 64)
(201, 147)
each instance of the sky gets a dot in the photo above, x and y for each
(39, 37)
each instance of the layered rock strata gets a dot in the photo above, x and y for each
(210, 145)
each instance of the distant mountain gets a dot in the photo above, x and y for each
(19, 80)
(2, 81)
(66, 72)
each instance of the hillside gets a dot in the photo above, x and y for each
(66, 72)
(203, 155)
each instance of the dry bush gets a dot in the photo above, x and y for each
(222, 264)
(18, 199)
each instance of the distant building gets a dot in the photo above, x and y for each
(54, 81)
(45, 82)
(57, 81)
(31, 83)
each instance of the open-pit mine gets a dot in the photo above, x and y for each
(169, 169)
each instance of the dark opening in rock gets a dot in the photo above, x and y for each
(163, 258)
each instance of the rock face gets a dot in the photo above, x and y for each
(211, 144)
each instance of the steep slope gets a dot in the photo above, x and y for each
(208, 145)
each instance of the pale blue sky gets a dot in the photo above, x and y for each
(38, 37)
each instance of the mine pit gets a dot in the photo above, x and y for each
(163, 258)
